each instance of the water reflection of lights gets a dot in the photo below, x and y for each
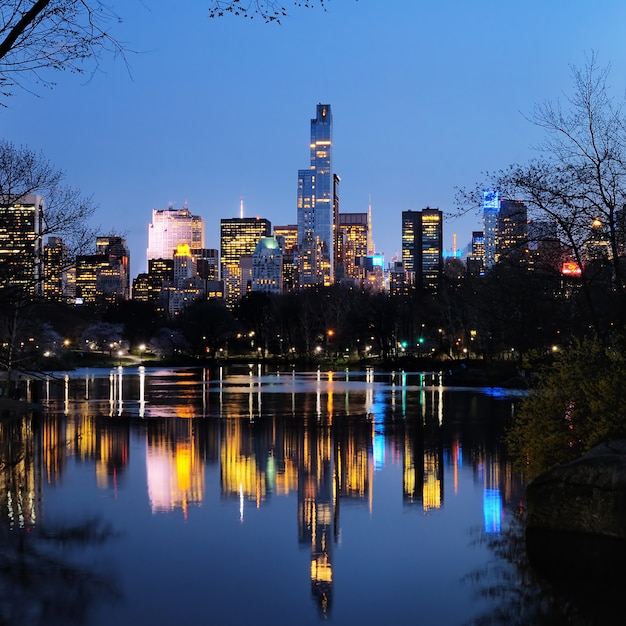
(142, 391)
(492, 510)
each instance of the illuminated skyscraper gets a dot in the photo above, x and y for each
(55, 269)
(317, 206)
(238, 238)
(171, 227)
(21, 243)
(353, 245)
(491, 208)
(422, 247)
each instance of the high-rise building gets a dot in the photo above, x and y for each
(476, 256)
(118, 275)
(103, 277)
(512, 235)
(207, 263)
(354, 244)
(267, 266)
(317, 206)
(147, 287)
(422, 247)
(411, 223)
(21, 243)
(56, 263)
(238, 238)
(171, 227)
(491, 208)
(431, 251)
(287, 237)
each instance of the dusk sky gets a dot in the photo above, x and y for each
(425, 96)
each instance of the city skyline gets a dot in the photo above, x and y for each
(425, 99)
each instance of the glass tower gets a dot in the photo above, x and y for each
(491, 208)
(316, 207)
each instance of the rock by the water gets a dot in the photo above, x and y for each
(576, 518)
(585, 496)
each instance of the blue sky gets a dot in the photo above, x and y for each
(426, 97)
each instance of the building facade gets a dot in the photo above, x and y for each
(317, 206)
(267, 266)
(171, 227)
(422, 247)
(21, 243)
(238, 238)
(353, 245)
(512, 235)
(56, 262)
(491, 209)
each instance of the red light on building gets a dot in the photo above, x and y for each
(570, 268)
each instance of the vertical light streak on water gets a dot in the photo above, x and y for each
(120, 400)
(111, 393)
(241, 502)
(66, 395)
(142, 391)
(440, 405)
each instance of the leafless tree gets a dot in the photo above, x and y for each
(578, 181)
(37, 35)
(66, 214)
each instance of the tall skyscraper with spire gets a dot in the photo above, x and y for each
(317, 206)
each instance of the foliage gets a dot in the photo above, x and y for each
(206, 325)
(580, 401)
(62, 35)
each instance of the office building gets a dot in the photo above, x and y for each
(512, 234)
(56, 262)
(354, 244)
(476, 257)
(422, 247)
(317, 206)
(171, 227)
(147, 287)
(287, 237)
(118, 275)
(238, 238)
(21, 243)
(267, 266)
(207, 263)
(103, 278)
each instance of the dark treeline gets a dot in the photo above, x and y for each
(515, 312)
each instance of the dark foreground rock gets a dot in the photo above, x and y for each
(586, 496)
(576, 517)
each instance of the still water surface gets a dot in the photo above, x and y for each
(189, 496)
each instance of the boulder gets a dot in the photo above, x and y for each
(576, 520)
(585, 496)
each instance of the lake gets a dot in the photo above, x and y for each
(239, 495)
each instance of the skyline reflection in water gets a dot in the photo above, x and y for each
(343, 451)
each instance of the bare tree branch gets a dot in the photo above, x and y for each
(36, 35)
(268, 10)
